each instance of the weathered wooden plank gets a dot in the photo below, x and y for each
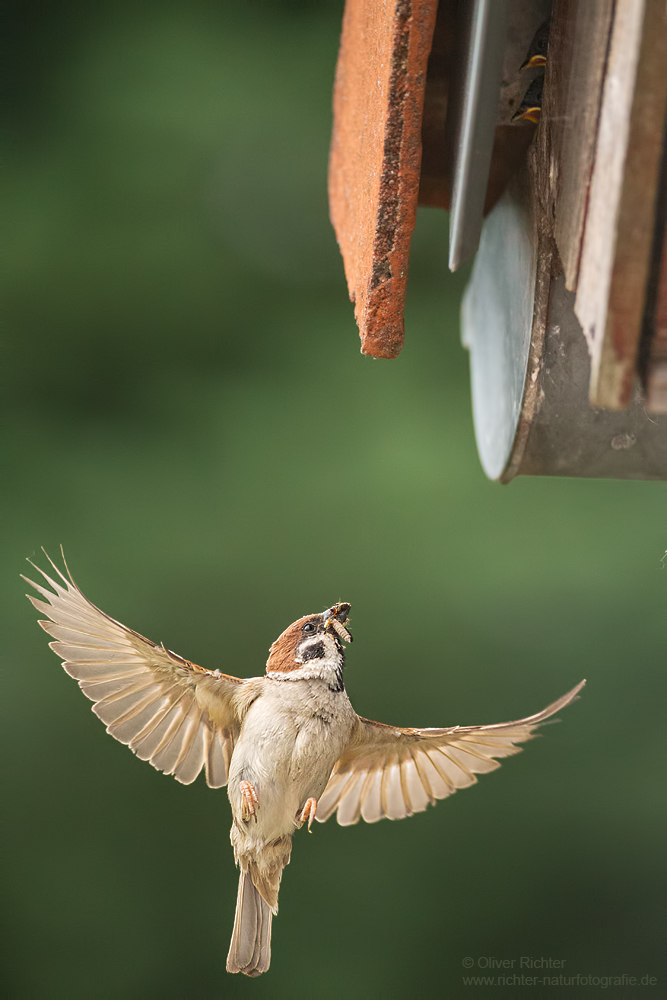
(578, 46)
(656, 366)
(569, 437)
(620, 219)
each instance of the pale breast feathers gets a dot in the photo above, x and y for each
(169, 711)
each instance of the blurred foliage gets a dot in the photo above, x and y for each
(190, 416)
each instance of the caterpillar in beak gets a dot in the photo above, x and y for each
(340, 630)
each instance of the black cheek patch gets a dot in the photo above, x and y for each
(314, 652)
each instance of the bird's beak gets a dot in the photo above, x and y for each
(334, 619)
(528, 115)
(533, 63)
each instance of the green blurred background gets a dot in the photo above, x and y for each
(189, 415)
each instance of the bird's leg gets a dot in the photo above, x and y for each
(249, 801)
(308, 812)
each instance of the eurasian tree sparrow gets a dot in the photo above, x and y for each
(288, 745)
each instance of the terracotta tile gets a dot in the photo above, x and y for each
(375, 158)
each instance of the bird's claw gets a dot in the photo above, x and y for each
(249, 801)
(308, 812)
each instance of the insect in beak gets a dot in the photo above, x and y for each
(340, 630)
(335, 618)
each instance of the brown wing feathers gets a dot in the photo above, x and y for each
(159, 704)
(386, 772)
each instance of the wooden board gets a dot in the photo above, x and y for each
(656, 361)
(578, 44)
(620, 220)
(530, 363)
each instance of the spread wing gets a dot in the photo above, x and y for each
(393, 773)
(169, 711)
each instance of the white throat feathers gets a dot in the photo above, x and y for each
(317, 657)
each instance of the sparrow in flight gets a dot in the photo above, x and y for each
(288, 745)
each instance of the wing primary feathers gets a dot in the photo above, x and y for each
(389, 772)
(170, 711)
(422, 777)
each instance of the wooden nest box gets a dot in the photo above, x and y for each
(541, 127)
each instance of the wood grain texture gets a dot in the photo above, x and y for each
(656, 370)
(578, 45)
(620, 220)
(375, 158)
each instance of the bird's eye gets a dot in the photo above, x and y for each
(308, 628)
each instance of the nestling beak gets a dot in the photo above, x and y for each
(533, 63)
(531, 114)
(334, 619)
(531, 106)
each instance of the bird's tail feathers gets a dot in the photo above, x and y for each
(250, 948)
(256, 903)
